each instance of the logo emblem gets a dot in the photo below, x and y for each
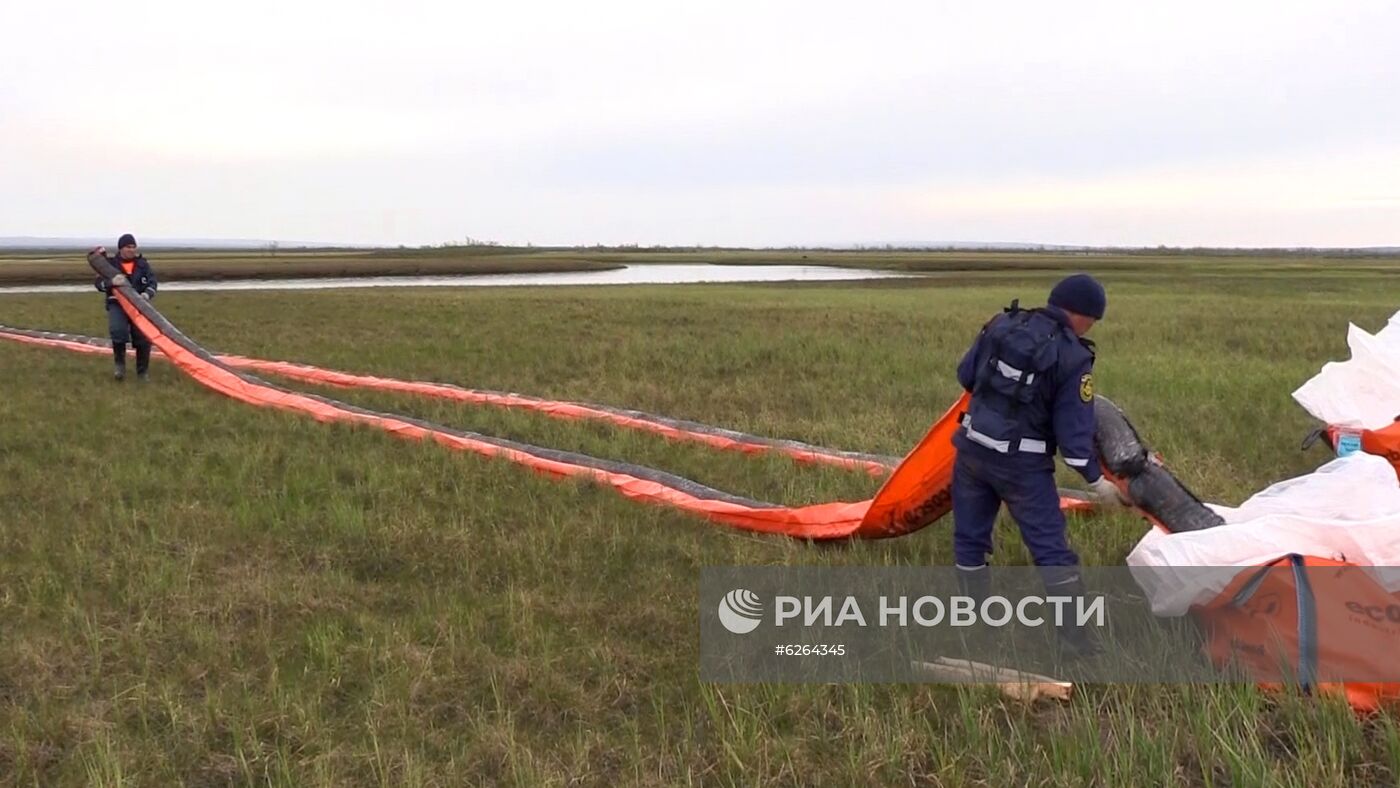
(740, 611)
(1086, 387)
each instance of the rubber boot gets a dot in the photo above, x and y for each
(1075, 640)
(977, 643)
(143, 362)
(975, 582)
(119, 357)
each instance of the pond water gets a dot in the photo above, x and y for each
(658, 274)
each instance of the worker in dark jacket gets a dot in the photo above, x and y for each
(1031, 376)
(134, 270)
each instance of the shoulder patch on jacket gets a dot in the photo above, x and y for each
(1086, 387)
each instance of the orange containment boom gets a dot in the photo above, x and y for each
(916, 494)
(665, 426)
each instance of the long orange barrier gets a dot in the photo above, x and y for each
(669, 428)
(916, 494)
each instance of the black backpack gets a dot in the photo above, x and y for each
(1023, 348)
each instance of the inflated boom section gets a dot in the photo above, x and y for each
(1160, 496)
(921, 489)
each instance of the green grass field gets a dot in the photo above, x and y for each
(199, 592)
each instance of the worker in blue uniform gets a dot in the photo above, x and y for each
(1031, 376)
(132, 268)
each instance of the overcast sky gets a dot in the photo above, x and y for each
(748, 123)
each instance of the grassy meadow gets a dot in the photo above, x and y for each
(198, 592)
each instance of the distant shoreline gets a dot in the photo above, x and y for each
(34, 267)
(51, 268)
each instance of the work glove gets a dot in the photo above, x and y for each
(147, 295)
(102, 250)
(119, 280)
(1107, 494)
